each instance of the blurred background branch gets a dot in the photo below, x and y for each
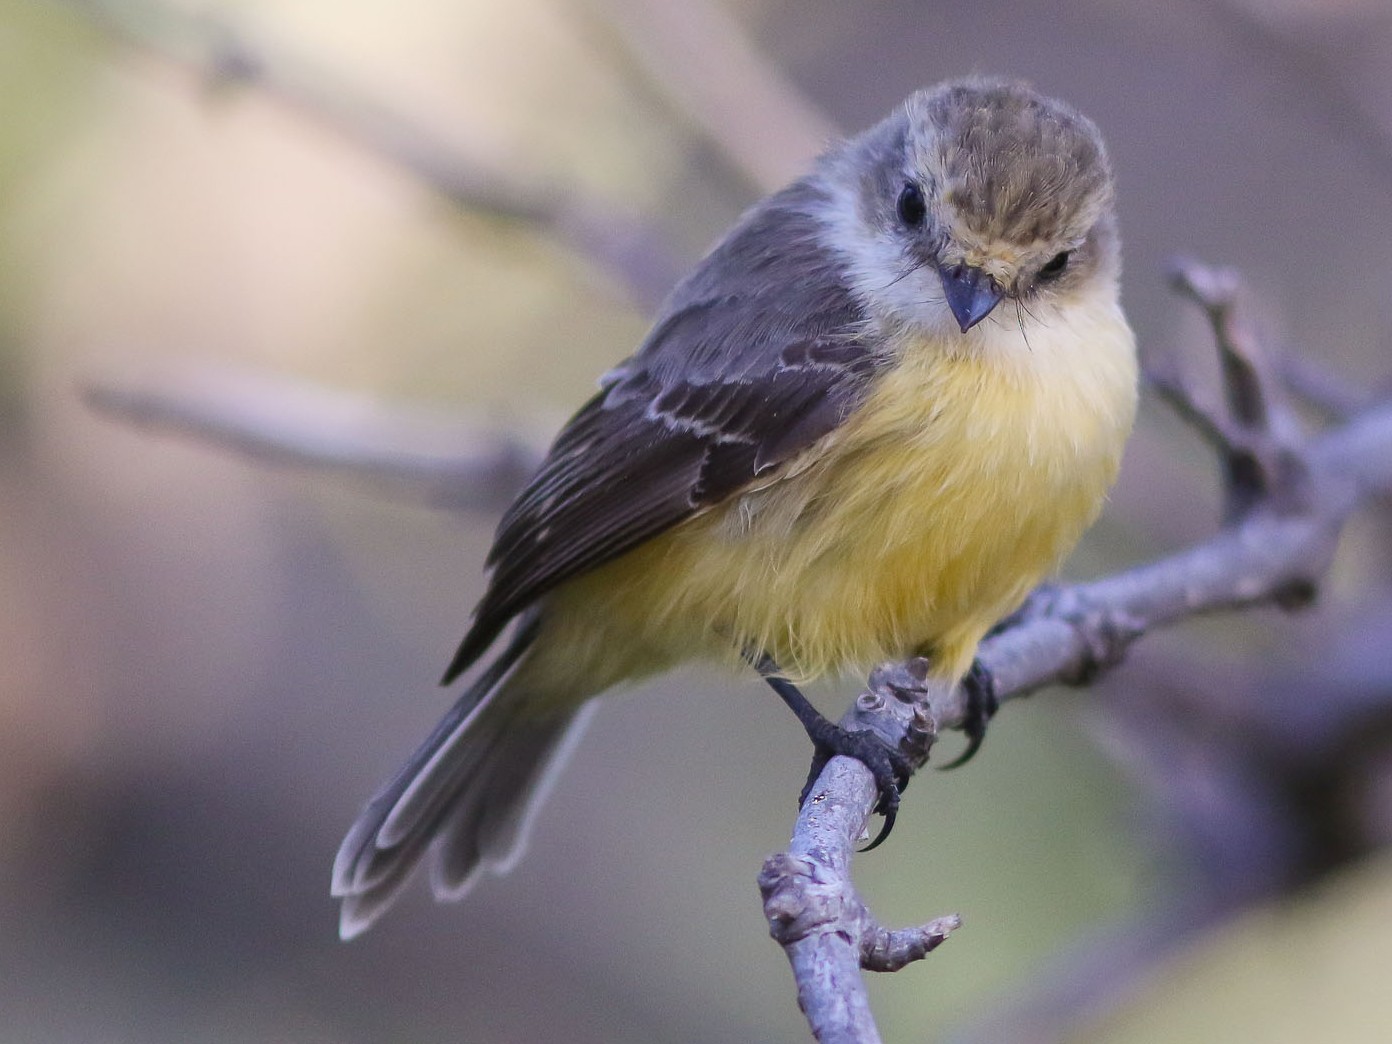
(411, 456)
(758, 119)
(639, 252)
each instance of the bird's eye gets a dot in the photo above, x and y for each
(912, 207)
(1054, 267)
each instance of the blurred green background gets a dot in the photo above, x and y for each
(207, 665)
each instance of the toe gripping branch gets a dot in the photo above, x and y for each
(889, 730)
(983, 701)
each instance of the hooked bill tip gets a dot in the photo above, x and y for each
(971, 294)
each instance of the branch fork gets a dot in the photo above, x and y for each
(802, 899)
(1287, 498)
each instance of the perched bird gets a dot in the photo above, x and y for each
(878, 412)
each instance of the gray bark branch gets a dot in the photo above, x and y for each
(1286, 514)
(1289, 497)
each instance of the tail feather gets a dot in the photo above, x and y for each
(354, 864)
(462, 801)
(487, 829)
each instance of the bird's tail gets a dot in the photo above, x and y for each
(465, 797)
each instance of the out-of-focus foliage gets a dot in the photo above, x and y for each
(1310, 969)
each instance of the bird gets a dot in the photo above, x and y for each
(883, 408)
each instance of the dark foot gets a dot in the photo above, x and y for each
(982, 704)
(890, 768)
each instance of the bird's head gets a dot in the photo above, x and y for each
(972, 193)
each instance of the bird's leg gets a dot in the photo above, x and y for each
(890, 768)
(982, 704)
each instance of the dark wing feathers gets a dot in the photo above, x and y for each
(755, 357)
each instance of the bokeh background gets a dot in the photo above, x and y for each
(207, 662)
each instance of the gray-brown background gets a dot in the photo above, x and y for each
(207, 665)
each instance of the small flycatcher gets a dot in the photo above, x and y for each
(877, 414)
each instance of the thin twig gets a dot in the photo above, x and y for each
(1246, 380)
(1259, 427)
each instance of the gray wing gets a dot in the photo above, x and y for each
(757, 355)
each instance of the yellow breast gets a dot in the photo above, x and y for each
(928, 515)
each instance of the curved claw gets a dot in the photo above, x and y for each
(982, 704)
(974, 741)
(890, 768)
(889, 805)
(898, 771)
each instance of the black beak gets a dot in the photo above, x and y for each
(971, 294)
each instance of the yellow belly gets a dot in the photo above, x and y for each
(930, 514)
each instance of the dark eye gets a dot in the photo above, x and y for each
(912, 208)
(1054, 267)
